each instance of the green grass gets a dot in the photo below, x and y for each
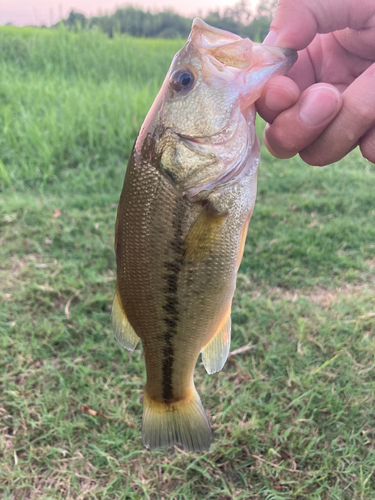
(293, 416)
(72, 101)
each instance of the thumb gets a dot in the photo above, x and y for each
(297, 22)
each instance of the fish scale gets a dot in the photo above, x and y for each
(181, 225)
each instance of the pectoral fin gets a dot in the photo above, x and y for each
(124, 333)
(215, 353)
(204, 234)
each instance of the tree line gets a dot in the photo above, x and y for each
(239, 18)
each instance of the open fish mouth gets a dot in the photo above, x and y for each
(240, 64)
(232, 50)
(244, 63)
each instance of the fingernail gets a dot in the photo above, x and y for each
(270, 38)
(318, 105)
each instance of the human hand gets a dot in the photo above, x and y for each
(326, 105)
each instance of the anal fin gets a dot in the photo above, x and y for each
(124, 333)
(215, 353)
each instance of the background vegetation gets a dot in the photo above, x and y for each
(292, 414)
(240, 19)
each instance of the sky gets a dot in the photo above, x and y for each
(36, 12)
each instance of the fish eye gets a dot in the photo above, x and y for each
(182, 79)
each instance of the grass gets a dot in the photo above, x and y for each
(72, 101)
(292, 416)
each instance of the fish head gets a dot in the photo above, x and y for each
(214, 75)
(206, 104)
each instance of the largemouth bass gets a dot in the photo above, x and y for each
(188, 196)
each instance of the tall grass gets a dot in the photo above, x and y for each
(73, 100)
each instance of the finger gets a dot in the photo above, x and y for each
(356, 117)
(367, 145)
(299, 126)
(303, 71)
(328, 60)
(279, 94)
(297, 22)
(359, 42)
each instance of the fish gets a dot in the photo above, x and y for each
(182, 219)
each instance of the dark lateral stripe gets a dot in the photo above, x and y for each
(171, 306)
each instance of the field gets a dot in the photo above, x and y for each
(292, 413)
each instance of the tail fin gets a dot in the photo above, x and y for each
(183, 422)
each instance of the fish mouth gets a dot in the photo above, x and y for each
(210, 36)
(245, 63)
(233, 50)
(238, 68)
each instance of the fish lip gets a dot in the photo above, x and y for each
(210, 39)
(273, 48)
(291, 55)
(203, 28)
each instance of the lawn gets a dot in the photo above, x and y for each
(292, 411)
